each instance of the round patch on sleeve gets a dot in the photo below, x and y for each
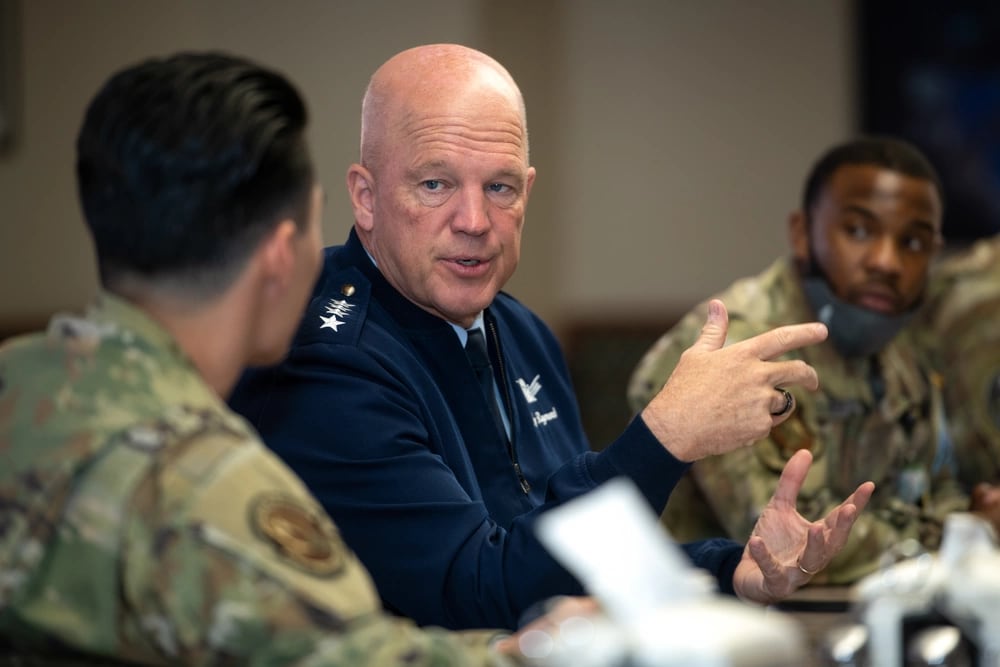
(300, 535)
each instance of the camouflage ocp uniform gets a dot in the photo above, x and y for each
(853, 433)
(142, 520)
(963, 322)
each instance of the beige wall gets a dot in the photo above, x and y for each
(671, 136)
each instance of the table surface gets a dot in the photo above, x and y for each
(818, 609)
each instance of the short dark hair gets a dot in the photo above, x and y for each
(184, 163)
(893, 154)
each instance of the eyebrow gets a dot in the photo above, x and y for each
(419, 171)
(925, 224)
(870, 215)
(860, 210)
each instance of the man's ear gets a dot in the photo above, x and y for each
(276, 255)
(361, 188)
(798, 235)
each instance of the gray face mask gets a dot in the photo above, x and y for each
(854, 331)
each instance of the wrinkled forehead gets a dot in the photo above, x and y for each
(479, 113)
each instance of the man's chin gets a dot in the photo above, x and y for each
(878, 308)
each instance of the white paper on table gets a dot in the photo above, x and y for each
(613, 542)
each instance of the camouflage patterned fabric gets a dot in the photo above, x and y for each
(963, 322)
(894, 442)
(142, 520)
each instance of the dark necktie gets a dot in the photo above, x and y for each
(475, 350)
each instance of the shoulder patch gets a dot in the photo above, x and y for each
(298, 534)
(792, 435)
(787, 438)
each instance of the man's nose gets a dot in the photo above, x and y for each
(884, 255)
(471, 215)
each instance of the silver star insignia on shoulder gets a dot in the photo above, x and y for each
(336, 308)
(330, 322)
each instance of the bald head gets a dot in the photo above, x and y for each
(428, 80)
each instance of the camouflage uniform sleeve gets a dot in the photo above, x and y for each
(946, 493)
(258, 575)
(962, 327)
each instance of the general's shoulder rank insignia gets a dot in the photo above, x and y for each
(338, 311)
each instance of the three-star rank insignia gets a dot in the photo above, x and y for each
(337, 313)
(299, 534)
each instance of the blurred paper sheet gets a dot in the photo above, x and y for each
(613, 543)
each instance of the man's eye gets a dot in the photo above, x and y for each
(857, 231)
(432, 185)
(497, 187)
(919, 244)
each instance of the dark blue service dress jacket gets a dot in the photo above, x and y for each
(380, 413)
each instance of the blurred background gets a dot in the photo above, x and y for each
(671, 137)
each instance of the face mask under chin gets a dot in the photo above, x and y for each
(854, 331)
